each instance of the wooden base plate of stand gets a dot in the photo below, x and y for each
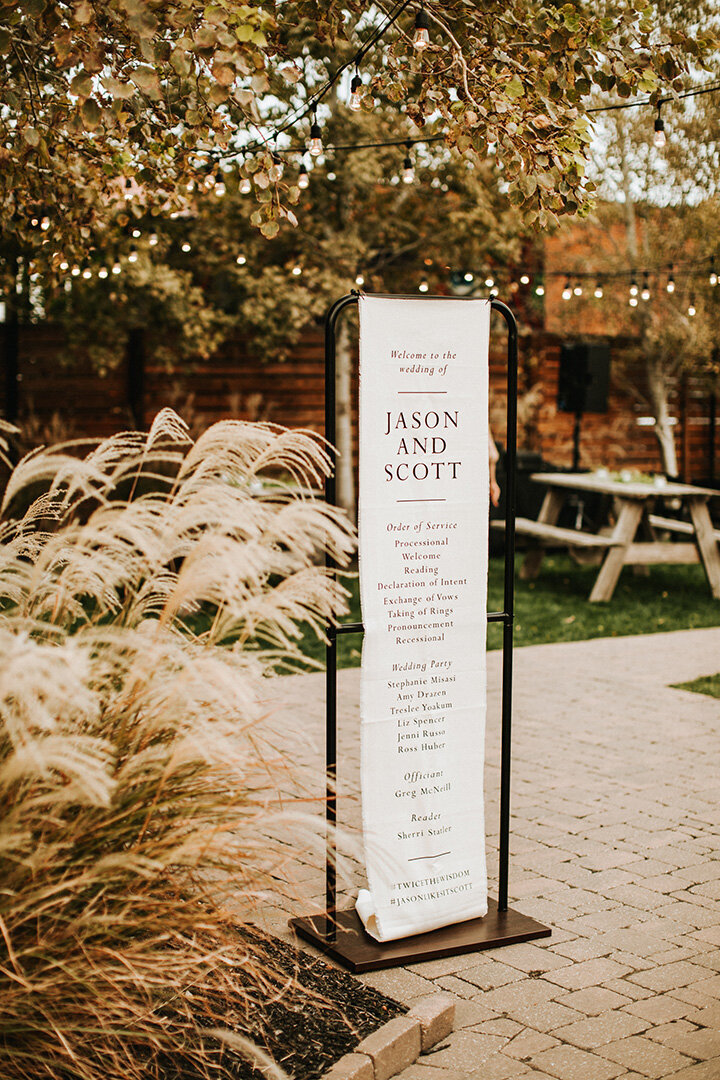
(352, 947)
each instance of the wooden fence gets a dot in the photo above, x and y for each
(56, 401)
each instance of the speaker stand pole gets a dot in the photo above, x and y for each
(576, 441)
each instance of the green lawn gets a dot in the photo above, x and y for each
(707, 684)
(555, 606)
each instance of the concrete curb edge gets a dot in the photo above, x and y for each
(399, 1042)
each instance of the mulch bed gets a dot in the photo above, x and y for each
(307, 1028)
(306, 1035)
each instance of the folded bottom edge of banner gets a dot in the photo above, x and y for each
(373, 923)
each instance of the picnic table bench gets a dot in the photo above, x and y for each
(634, 501)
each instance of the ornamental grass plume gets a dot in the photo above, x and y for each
(145, 589)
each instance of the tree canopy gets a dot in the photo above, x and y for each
(191, 279)
(107, 98)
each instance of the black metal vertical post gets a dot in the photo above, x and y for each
(136, 376)
(331, 650)
(11, 344)
(508, 601)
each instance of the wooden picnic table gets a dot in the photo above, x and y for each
(634, 504)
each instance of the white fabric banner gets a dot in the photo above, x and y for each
(423, 525)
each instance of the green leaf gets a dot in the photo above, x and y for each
(514, 89)
(145, 78)
(180, 62)
(91, 113)
(122, 91)
(81, 85)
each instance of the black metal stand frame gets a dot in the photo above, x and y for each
(341, 934)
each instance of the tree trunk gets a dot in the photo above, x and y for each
(345, 476)
(657, 371)
(630, 220)
(664, 430)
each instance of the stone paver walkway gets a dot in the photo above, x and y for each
(615, 845)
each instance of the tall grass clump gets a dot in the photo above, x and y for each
(145, 591)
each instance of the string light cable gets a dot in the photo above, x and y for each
(310, 106)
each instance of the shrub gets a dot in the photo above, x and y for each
(145, 590)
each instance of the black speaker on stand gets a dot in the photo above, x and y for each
(583, 383)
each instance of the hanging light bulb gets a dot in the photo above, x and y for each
(103, 272)
(87, 273)
(276, 169)
(355, 88)
(539, 289)
(489, 281)
(633, 301)
(671, 281)
(153, 239)
(634, 290)
(133, 255)
(524, 279)
(408, 169)
(645, 294)
(315, 145)
(75, 271)
(359, 280)
(220, 187)
(421, 37)
(713, 278)
(567, 290)
(692, 310)
(64, 265)
(331, 176)
(45, 223)
(136, 233)
(468, 277)
(659, 137)
(494, 291)
(296, 270)
(577, 290)
(245, 187)
(303, 178)
(241, 260)
(34, 221)
(186, 246)
(116, 267)
(423, 286)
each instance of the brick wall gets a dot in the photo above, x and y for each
(236, 384)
